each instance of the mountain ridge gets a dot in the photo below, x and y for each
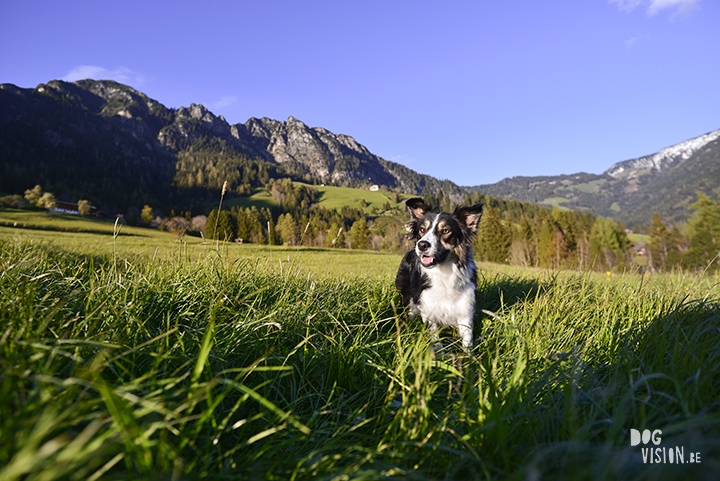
(64, 134)
(630, 191)
(86, 138)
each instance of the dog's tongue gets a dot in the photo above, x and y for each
(427, 260)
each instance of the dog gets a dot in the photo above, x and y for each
(438, 277)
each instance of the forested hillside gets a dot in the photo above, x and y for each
(105, 145)
(107, 142)
(665, 182)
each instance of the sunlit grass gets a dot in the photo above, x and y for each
(145, 357)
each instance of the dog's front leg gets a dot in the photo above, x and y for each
(465, 329)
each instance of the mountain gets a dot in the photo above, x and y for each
(629, 191)
(110, 143)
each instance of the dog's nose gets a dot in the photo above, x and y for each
(423, 245)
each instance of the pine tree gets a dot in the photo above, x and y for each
(225, 228)
(219, 226)
(336, 236)
(522, 248)
(660, 245)
(704, 234)
(546, 243)
(210, 224)
(241, 222)
(272, 234)
(608, 243)
(255, 225)
(359, 234)
(495, 239)
(287, 229)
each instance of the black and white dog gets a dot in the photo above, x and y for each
(438, 277)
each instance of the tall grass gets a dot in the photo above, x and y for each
(232, 369)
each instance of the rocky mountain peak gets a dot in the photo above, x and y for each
(665, 158)
(216, 125)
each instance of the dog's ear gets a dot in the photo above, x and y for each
(417, 207)
(470, 216)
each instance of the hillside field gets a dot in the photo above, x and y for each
(135, 355)
(331, 197)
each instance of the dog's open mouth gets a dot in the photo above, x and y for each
(427, 260)
(432, 261)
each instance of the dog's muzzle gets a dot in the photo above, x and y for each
(427, 257)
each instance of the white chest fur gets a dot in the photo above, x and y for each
(450, 299)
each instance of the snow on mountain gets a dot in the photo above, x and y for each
(660, 160)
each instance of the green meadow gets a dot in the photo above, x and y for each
(331, 197)
(127, 353)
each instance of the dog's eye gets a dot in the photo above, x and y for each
(446, 231)
(423, 230)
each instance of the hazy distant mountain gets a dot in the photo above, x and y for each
(632, 190)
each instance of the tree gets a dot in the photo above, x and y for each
(254, 222)
(225, 229)
(272, 234)
(84, 207)
(336, 236)
(177, 225)
(219, 226)
(359, 234)
(210, 224)
(660, 245)
(608, 243)
(495, 238)
(546, 243)
(47, 201)
(521, 250)
(241, 221)
(147, 215)
(38, 198)
(287, 229)
(14, 201)
(33, 195)
(704, 233)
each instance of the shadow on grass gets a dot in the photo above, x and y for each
(660, 375)
(501, 292)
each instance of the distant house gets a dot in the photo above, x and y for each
(72, 208)
(65, 207)
(374, 188)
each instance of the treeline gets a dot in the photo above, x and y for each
(315, 227)
(299, 221)
(511, 232)
(694, 246)
(524, 234)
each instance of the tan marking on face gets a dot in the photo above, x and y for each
(445, 237)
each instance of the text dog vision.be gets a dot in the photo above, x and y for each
(657, 455)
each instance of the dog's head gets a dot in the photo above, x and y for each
(441, 235)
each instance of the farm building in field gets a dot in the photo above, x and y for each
(73, 208)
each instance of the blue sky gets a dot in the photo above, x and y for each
(468, 91)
